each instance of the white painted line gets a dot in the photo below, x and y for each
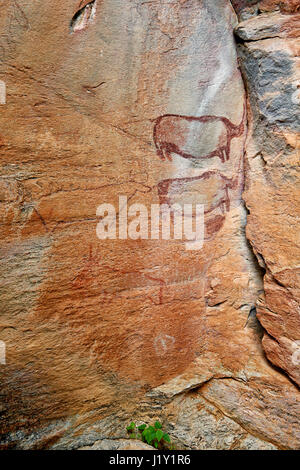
(2, 353)
(2, 92)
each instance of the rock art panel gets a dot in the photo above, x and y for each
(198, 139)
(142, 100)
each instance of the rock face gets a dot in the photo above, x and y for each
(270, 58)
(120, 444)
(146, 101)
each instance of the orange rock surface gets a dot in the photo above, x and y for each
(98, 333)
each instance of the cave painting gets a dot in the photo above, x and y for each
(199, 139)
(212, 136)
(219, 199)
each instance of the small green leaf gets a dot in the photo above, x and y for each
(146, 435)
(156, 444)
(159, 435)
(142, 427)
(131, 426)
(158, 425)
(166, 437)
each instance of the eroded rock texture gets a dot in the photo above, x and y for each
(146, 100)
(270, 58)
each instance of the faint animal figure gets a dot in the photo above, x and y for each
(169, 188)
(216, 187)
(195, 137)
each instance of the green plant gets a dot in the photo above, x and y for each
(152, 435)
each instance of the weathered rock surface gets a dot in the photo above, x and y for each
(121, 444)
(102, 332)
(271, 68)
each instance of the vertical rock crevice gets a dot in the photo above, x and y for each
(266, 44)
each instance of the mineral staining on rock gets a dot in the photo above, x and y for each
(98, 333)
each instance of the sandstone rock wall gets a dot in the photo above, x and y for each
(269, 53)
(159, 103)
